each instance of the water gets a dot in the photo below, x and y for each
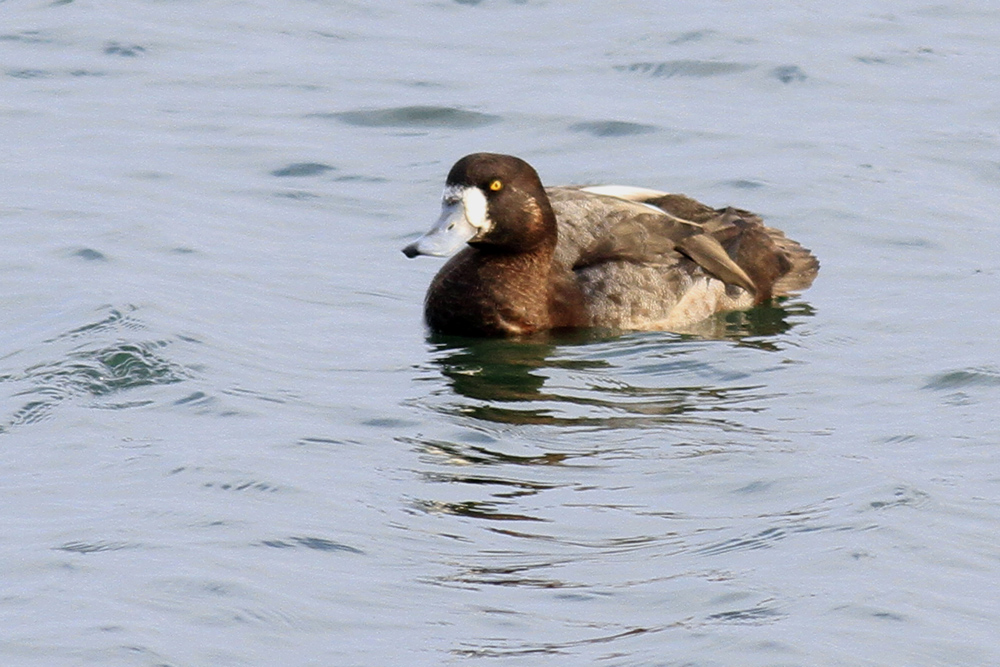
(226, 438)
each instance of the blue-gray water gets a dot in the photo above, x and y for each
(226, 439)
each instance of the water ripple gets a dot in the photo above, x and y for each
(102, 371)
(756, 615)
(124, 50)
(693, 68)
(612, 128)
(763, 539)
(94, 547)
(507, 382)
(473, 509)
(983, 376)
(462, 455)
(302, 169)
(94, 369)
(499, 649)
(310, 542)
(413, 116)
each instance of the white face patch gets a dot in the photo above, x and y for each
(473, 203)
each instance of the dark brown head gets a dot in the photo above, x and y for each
(493, 202)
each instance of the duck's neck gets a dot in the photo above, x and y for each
(485, 292)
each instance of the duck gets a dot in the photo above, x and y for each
(526, 259)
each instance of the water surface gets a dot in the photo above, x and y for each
(227, 439)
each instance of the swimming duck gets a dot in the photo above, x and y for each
(534, 258)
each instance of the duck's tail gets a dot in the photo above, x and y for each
(803, 265)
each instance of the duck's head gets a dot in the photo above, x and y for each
(492, 202)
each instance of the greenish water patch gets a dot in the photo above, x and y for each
(414, 116)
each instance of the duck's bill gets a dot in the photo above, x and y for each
(447, 236)
(461, 220)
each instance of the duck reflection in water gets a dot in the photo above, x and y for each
(495, 369)
(506, 378)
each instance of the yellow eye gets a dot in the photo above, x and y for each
(496, 185)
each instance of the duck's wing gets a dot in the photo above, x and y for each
(777, 265)
(598, 225)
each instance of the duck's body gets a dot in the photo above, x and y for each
(612, 257)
